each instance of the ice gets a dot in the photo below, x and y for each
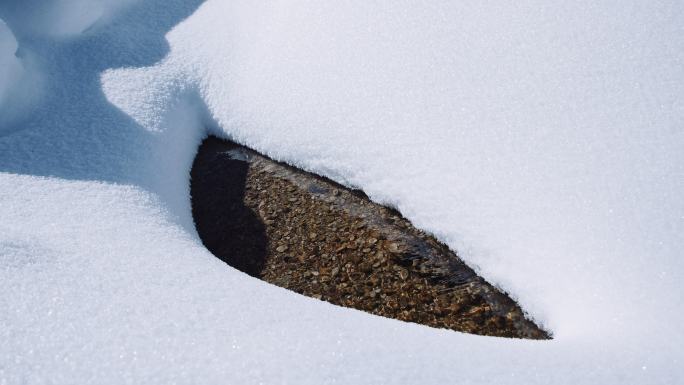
(543, 142)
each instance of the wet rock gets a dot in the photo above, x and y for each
(340, 247)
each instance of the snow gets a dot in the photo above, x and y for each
(61, 19)
(9, 64)
(10, 67)
(543, 142)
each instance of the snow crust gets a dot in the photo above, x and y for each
(541, 141)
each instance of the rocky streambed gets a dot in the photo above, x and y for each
(313, 236)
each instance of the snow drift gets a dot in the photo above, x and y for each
(9, 64)
(543, 142)
(10, 70)
(60, 19)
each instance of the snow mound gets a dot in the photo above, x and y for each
(10, 67)
(60, 18)
(543, 142)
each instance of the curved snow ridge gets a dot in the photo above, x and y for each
(15, 79)
(60, 19)
(9, 64)
(543, 143)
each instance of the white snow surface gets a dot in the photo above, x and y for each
(542, 141)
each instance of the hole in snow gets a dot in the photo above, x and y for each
(318, 238)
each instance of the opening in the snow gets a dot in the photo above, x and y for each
(315, 237)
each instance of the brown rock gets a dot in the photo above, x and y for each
(393, 248)
(347, 250)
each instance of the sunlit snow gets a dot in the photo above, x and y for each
(544, 142)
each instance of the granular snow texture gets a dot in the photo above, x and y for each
(542, 141)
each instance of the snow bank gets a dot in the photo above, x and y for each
(10, 67)
(544, 143)
(23, 80)
(60, 18)
(541, 142)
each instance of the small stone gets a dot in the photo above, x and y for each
(393, 248)
(281, 248)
